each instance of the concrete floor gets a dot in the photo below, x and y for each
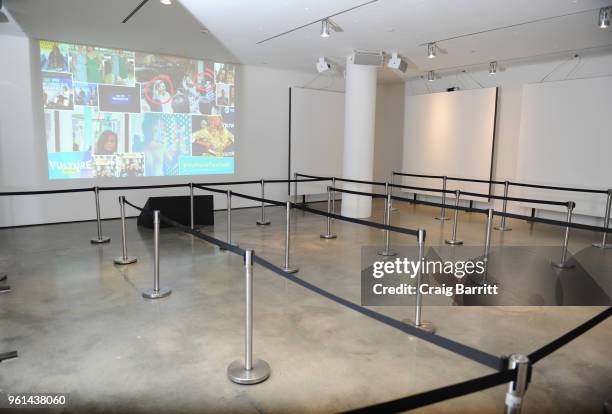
(81, 326)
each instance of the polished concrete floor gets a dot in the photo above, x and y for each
(81, 326)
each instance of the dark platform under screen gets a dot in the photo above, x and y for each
(177, 208)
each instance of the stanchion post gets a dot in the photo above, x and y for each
(263, 221)
(392, 184)
(333, 196)
(418, 322)
(502, 226)
(518, 387)
(604, 241)
(287, 267)
(564, 263)
(295, 187)
(387, 221)
(329, 234)
(442, 215)
(453, 240)
(157, 292)
(191, 208)
(124, 259)
(487, 244)
(228, 222)
(100, 239)
(249, 371)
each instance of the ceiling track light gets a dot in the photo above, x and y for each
(492, 68)
(431, 50)
(431, 76)
(166, 2)
(324, 28)
(604, 17)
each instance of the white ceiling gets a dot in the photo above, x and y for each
(390, 25)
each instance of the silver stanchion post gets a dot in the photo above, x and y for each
(295, 187)
(563, 263)
(100, 239)
(228, 222)
(191, 208)
(502, 226)
(157, 292)
(124, 259)
(287, 267)
(417, 322)
(392, 184)
(329, 232)
(518, 388)
(487, 244)
(333, 196)
(263, 221)
(387, 221)
(453, 241)
(604, 240)
(248, 372)
(442, 215)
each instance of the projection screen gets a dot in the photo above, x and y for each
(120, 113)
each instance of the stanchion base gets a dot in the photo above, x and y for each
(101, 240)
(125, 260)
(3, 278)
(500, 228)
(262, 223)
(442, 218)
(563, 265)
(290, 269)
(328, 236)
(386, 253)
(424, 326)
(5, 289)
(237, 373)
(153, 294)
(454, 242)
(602, 246)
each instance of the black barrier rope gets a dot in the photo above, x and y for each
(429, 397)
(373, 195)
(313, 176)
(546, 187)
(523, 200)
(440, 394)
(484, 358)
(142, 187)
(418, 175)
(474, 354)
(570, 336)
(331, 215)
(549, 187)
(67, 190)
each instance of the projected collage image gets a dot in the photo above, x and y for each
(116, 113)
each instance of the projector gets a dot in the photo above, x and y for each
(396, 62)
(323, 65)
(369, 58)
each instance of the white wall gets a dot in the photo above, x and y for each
(262, 131)
(511, 80)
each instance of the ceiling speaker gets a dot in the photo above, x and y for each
(369, 58)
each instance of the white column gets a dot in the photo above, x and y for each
(359, 118)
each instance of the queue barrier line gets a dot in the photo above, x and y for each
(474, 354)
(367, 223)
(66, 190)
(541, 186)
(429, 397)
(439, 394)
(569, 336)
(457, 390)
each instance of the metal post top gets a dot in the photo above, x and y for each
(156, 216)
(610, 192)
(248, 257)
(516, 359)
(421, 235)
(263, 180)
(122, 199)
(458, 192)
(571, 205)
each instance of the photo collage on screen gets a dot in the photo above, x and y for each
(117, 113)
